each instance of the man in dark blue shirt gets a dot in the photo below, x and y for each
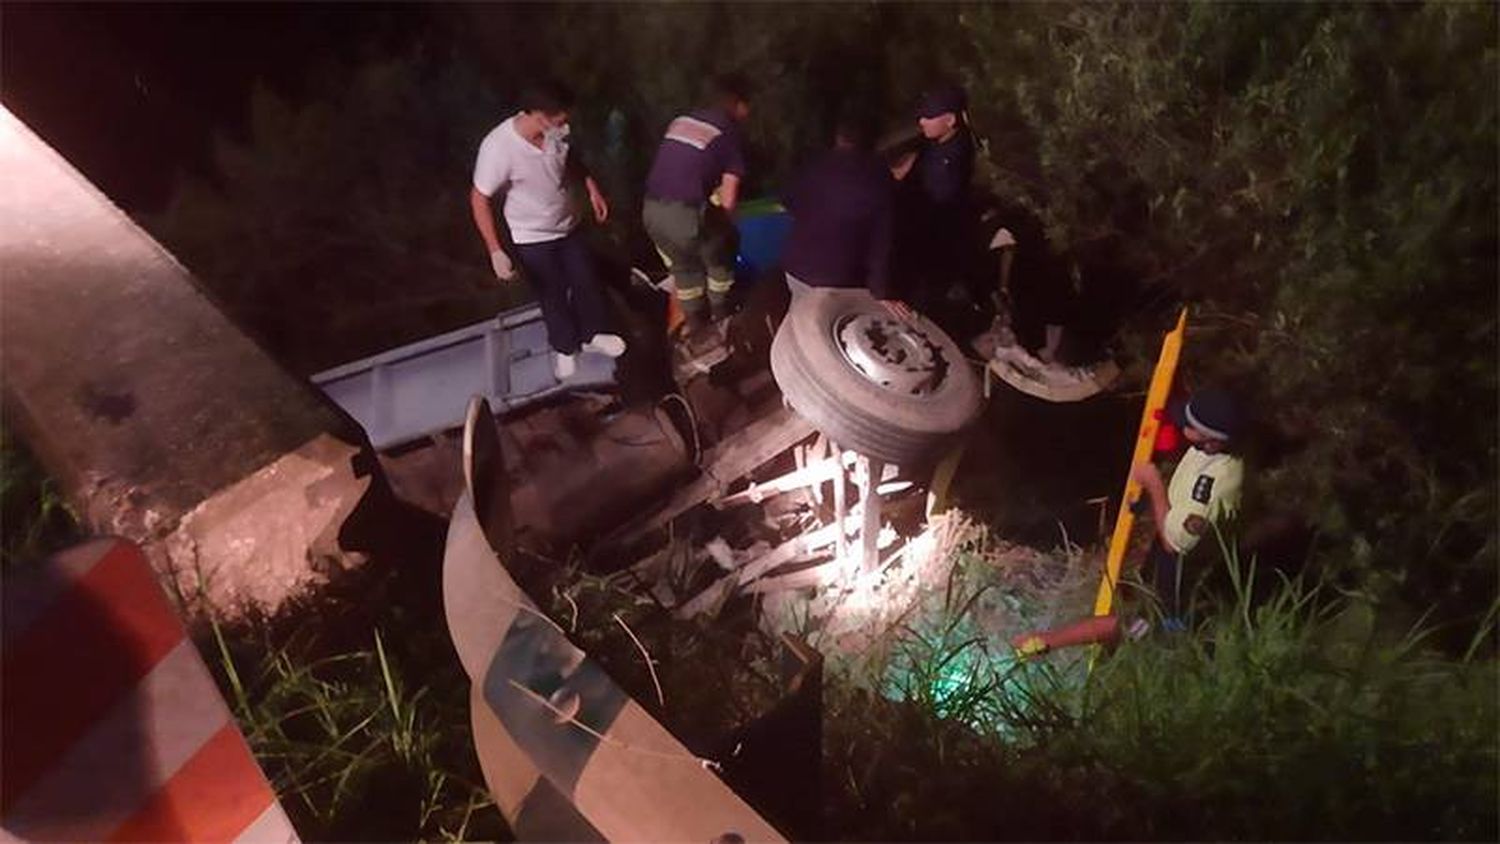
(842, 206)
(692, 192)
(945, 163)
(937, 232)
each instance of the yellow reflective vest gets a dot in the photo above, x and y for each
(1203, 485)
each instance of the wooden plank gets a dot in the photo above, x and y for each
(813, 576)
(709, 598)
(750, 448)
(870, 532)
(788, 551)
(809, 475)
(840, 502)
(799, 456)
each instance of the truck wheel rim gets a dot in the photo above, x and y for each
(896, 355)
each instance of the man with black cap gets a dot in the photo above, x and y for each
(944, 164)
(1205, 487)
(938, 235)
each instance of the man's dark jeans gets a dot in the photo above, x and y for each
(1164, 568)
(567, 287)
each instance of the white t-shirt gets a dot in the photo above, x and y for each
(536, 203)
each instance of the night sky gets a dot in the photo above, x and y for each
(132, 93)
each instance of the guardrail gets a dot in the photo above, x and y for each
(423, 388)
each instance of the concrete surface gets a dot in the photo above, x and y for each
(142, 399)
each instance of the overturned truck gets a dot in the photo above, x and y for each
(565, 751)
(816, 408)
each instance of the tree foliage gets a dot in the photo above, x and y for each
(1317, 181)
(340, 227)
(1319, 184)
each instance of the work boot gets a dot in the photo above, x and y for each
(700, 336)
(695, 322)
(719, 311)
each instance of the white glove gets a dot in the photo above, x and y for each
(1002, 239)
(500, 263)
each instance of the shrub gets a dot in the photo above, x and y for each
(1296, 716)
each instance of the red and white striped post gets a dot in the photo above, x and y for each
(112, 727)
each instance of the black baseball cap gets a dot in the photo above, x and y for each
(941, 100)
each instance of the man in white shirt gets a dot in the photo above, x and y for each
(525, 160)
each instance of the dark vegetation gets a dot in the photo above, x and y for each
(363, 740)
(34, 519)
(1317, 182)
(1292, 716)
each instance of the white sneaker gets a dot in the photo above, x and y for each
(563, 366)
(609, 345)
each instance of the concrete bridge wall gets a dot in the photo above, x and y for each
(162, 421)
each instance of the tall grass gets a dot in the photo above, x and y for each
(352, 750)
(34, 519)
(1288, 712)
(945, 661)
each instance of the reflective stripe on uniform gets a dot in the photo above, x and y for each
(716, 285)
(696, 133)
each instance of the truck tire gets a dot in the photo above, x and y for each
(897, 390)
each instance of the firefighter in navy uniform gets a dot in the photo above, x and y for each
(691, 195)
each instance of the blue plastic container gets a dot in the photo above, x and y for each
(763, 228)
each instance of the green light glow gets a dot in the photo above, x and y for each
(969, 679)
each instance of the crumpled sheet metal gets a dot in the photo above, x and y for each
(566, 753)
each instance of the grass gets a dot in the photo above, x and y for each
(1288, 712)
(353, 750)
(1301, 715)
(34, 519)
(943, 660)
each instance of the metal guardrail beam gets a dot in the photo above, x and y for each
(422, 388)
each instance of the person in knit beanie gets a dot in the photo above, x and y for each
(1205, 487)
